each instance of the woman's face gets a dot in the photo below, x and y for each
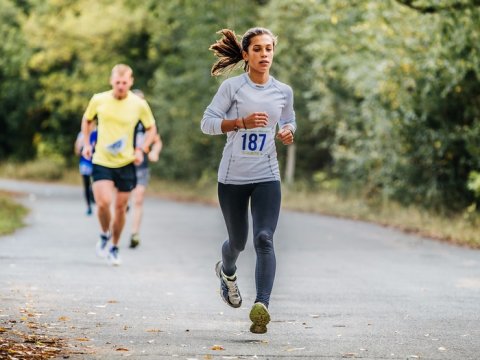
(260, 53)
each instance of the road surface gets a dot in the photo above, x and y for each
(343, 289)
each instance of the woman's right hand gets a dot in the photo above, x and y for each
(256, 119)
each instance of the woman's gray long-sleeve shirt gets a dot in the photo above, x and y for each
(249, 156)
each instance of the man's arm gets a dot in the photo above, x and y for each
(86, 131)
(156, 148)
(150, 134)
(149, 138)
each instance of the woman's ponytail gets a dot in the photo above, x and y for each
(228, 50)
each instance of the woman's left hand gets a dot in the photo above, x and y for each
(285, 135)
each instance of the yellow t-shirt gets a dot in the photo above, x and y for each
(116, 126)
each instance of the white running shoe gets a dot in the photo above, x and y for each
(101, 247)
(228, 287)
(113, 256)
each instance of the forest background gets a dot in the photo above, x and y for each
(387, 92)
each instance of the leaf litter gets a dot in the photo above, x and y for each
(27, 339)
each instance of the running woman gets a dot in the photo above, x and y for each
(248, 108)
(118, 112)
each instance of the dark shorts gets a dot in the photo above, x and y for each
(123, 177)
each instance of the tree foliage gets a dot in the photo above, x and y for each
(396, 90)
(386, 92)
(16, 89)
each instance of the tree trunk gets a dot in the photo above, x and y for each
(290, 168)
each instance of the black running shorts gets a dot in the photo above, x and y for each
(123, 177)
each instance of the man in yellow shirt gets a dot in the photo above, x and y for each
(117, 112)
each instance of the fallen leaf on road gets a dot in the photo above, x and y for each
(153, 330)
(112, 301)
(295, 349)
(349, 355)
(217, 347)
(82, 339)
(257, 341)
(121, 349)
(63, 318)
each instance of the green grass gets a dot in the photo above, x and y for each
(11, 214)
(44, 170)
(461, 229)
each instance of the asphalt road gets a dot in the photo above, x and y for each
(344, 289)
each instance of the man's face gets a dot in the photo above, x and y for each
(121, 84)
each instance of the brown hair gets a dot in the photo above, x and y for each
(228, 49)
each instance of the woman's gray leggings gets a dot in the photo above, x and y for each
(265, 198)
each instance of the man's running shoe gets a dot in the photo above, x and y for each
(228, 287)
(113, 256)
(134, 241)
(101, 247)
(260, 318)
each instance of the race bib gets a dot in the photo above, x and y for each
(117, 146)
(251, 143)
